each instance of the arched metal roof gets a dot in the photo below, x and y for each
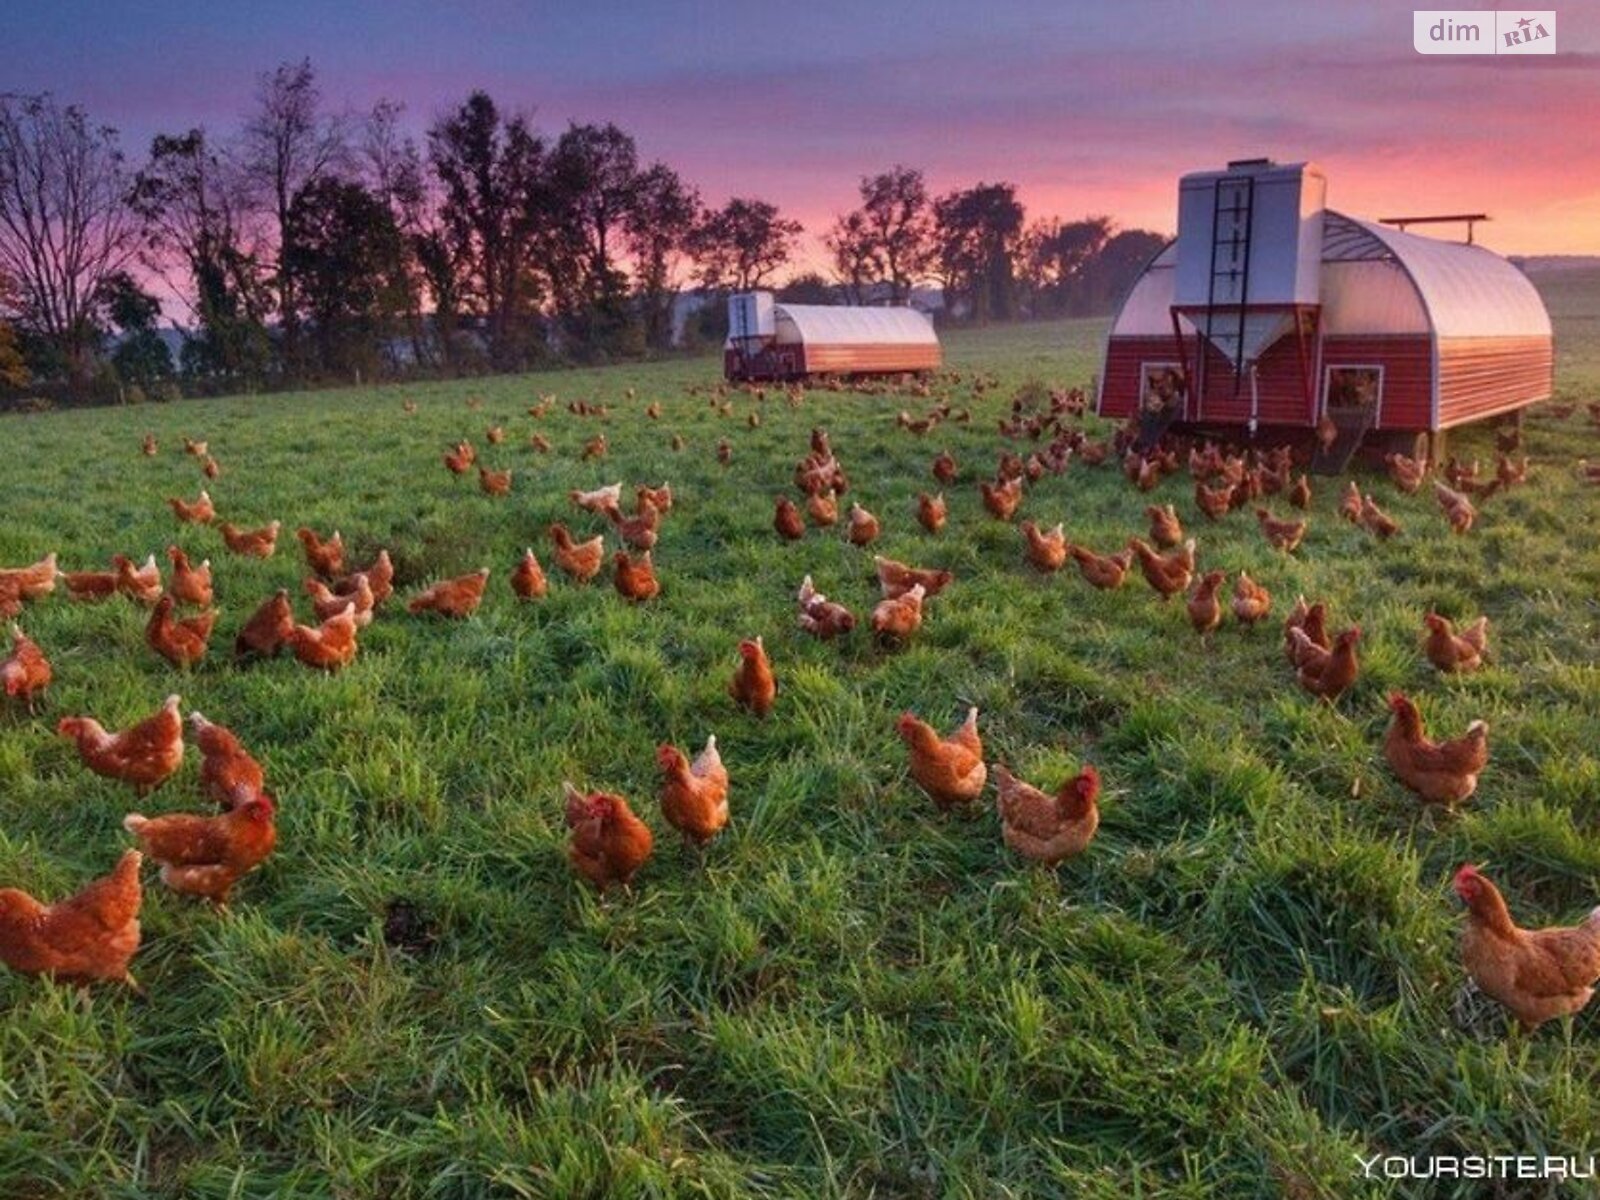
(847, 325)
(1464, 291)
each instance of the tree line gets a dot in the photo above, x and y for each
(309, 245)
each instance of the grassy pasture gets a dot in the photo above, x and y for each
(1249, 979)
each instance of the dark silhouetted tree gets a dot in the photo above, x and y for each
(659, 229)
(977, 233)
(740, 245)
(65, 228)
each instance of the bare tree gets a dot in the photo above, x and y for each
(289, 144)
(64, 226)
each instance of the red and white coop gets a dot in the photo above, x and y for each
(768, 339)
(1269, 310)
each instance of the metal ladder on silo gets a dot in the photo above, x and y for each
(1230, 264)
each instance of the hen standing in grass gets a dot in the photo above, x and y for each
(1048, 829)
(145, 755)
(85, 938)
(753, 685)
(26, 672)
(1538, 974)
(609, 844)
(950, 770)
(206, 855)
(694, 795)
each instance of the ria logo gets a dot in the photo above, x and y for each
(1476, 31)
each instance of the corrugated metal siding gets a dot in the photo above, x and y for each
(1407, 361)
(1480, 377)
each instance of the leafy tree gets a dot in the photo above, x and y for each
(140, 356)
(659, 228)
(192, 202)
(64, 226)
(740, 245)
(889, 239)
(288, 146)
(399, 179)
(347, 258)
(1054, 258)
(14, 371)
(809, 288)
(496, 200)
(594, 179)
(977, 233)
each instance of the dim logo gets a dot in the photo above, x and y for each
(1476, 31)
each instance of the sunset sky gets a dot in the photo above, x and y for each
(1089, 108)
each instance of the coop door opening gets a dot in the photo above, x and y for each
(1353, 390)
(1161, 390)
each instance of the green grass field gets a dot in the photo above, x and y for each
(1250, 978)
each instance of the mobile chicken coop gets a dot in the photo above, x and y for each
(769, 340)
(1269, 311)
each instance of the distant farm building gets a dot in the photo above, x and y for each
(771, 340)
(1269, 311)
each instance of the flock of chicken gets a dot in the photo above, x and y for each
(1537, 974)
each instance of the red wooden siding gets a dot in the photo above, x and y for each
(1479, 377)
(1407, 361)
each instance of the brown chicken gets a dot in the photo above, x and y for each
(181, 642)
(820, 616)
(694, 795)
(609, 844)
(1045, 551)
(823, 508)
(457, 598)
(1215, 503)
(495, 435)
(1300, 492)
(325, 558)
(141, 584)
(90, 586)
(195, 449)
(896, 578)
(145, 755)
(658, 498)
(1204, 603)
(931, 511)
(1439, 772)
(1375, 521)
(251, 543)
(1165, 531)
(1044, 828)
(753, 685)
(1104, 571)
(1538, 974)
(598, 500)
(205, 855)
(331, 645)
(268, 630)
(1310, 620)
(26, 671)
(634, 578)
(494, 483)
(325, 602)
(1327, 673)
(1407, 473)
(1168, 574)
(639, 531)
(190, 584)
(864, 527)
(1457, 508)
(786, 520)
(1510, 474)
(1451, 651)
(1251, 601)
(85, 938)
(33, 582)
(580, 561)
(528, 581)
(1001, 499)
(149, 447)
(228, 774)
(460, 460)
(595, 447)
(210, 469)
(950, 770)
(1350, 503)
(900, 617)
(379, 578)
(201, 512)
(1283, 535)
(944, 468)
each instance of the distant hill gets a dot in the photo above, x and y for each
(1536, 265)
